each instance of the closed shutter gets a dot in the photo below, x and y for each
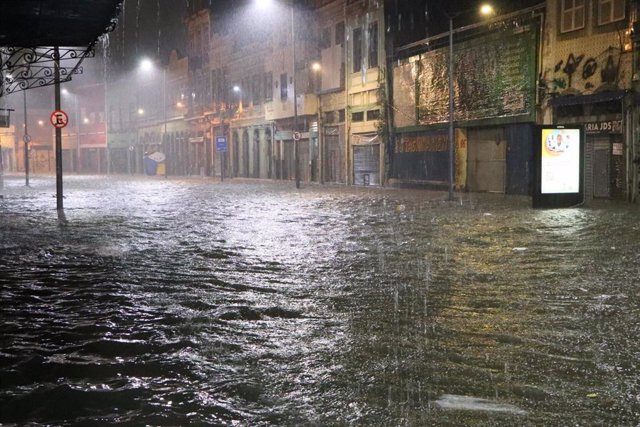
(601, 167)
(366, 165)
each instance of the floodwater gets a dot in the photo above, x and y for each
(177, 302)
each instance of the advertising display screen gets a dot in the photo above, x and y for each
(560, 161)
(559, 166)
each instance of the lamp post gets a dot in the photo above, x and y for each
(296, 148)
(317, 68)
(26, 138)
(164, 121)
(451, 131)
(485, 10)
(235, 156)
(147, 65)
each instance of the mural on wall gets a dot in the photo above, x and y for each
(581, 73)
(493, 77)
(404, 92)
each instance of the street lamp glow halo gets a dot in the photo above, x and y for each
(487, 9)
(316, 66)
(146, 64)
(263, 4)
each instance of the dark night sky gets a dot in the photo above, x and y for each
(417, 19)
(150, 28)
(154, 27)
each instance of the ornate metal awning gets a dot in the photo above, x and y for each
(29, 30)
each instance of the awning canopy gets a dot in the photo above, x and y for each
(71, 23)
(605, 96)
(38, 36)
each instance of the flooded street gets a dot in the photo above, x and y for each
(177, 302)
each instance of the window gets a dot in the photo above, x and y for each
(283, 86)
(572, 15)
(217, 81)
(246, 91)
(325, 38)
(257, 89)
(373, 45)
(339, 33)
(357, 50)
(373, 115)
(357, 117)
(610, 11)
(329, 117)
(268, 86)
(341, 115)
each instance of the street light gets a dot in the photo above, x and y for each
(316, 67)
(485, 10)
(296, 148)
(147, 66)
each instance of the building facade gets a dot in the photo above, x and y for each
(317, 93)
(294, 95)
(494, 108)
(587, 80)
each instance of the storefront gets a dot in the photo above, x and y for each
(603, 117)
(367, 158)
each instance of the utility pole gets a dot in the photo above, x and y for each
(296, 151)
(164, 119)
(26, 138)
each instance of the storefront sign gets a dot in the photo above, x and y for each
(616, 148)
(427, 142)
(605, 126)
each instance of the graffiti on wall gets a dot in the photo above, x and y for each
(582, 73)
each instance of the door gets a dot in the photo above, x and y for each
(366, 164)
(487, 153)
(333, 158)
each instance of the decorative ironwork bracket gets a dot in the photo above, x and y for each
(26, 68)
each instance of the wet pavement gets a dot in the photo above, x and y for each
(189, 301)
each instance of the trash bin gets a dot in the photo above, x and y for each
(154, 163)
(150, 166)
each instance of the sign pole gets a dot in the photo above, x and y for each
(58, 132)
(221, 147)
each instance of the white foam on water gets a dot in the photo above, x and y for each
(470, 403)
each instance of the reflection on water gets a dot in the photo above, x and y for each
(192, 302)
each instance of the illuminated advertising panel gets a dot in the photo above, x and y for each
(560, 161)
(559, 172)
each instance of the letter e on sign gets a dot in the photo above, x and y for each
(59, 119)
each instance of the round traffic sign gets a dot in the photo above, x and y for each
(59, 119)
(26, 138)
(296, 136)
